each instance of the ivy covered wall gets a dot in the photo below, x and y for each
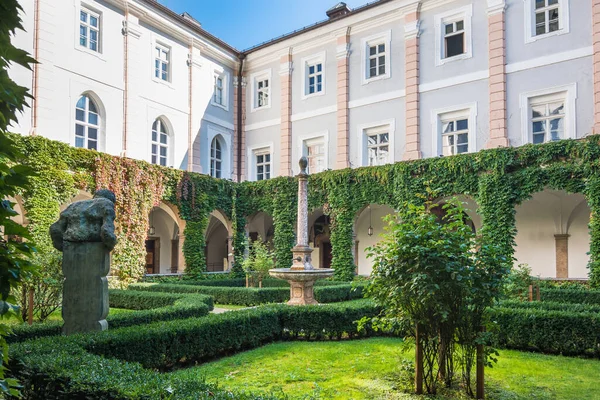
(497, 180)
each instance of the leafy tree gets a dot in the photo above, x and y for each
(14, 252)
(259, 261)
(437, 277)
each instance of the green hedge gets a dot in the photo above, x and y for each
(561, 295)
(151, 307)
(71, 367)
(255, 296)
(238, 282)
(551, 305)
(548, 331)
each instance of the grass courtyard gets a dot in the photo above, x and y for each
(370, 369)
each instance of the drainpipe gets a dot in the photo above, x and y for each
(125, 78)
(35, 73)
(239, 118)
(190, 118)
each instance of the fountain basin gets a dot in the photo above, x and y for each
(301, 282)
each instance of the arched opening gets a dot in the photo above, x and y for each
(260, 225)
(218, 250)
(471, 218)
(81, 195)
(218, 154)
(89, 114)
(368, 227)
(319, 232)
(552, 234)
(162, 242)
(161, 143)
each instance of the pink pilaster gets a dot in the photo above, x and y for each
(411, 65)
(285, 73)
(596, 44)
(343, 136)
(497, 72)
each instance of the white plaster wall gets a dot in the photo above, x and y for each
(274, 111)
(579, 71)
(262, 138)
(217, 244)
(579, 241)
(164, 229)
(579, 36)
(316, 126)
(365, 264)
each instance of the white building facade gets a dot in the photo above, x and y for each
(390, 81)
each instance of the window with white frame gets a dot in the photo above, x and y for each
(544, 18)
(455, 135)
(547, 117)
(262, 93)
(315, 78)
(453, 32)
(262, 159)
(87, 123)
(218, 95)
(454, 38)
(89, 29)
(314, 151)
(378, 145)
(216, 158)
(162, 55)
(160, 143)
(376, 52)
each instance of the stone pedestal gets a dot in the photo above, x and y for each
(85, 290)
(301, 293)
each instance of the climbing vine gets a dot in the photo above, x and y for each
(498, 180)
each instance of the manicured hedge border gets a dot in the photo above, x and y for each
(583, 296)
(69, 367)
(255, 296)
(551, 306)
(548, 331)
(151, 307)
(232, 282)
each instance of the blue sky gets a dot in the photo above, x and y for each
(245, 23)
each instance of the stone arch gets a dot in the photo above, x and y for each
(371, 215)
(19, 207)
(219, 242)
(471, 210)
(552, 234)
(319, 232)
(164, 242)
(81, 195)
(260, 224)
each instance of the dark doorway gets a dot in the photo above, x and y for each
(326, 255)
(152, 256)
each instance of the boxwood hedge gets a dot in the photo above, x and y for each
(255, 296)
(151, 307)
(72, 367)
(570, 295)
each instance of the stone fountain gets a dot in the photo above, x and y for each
(302, 275)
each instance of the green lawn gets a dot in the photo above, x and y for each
(369, 369)
(230, 306)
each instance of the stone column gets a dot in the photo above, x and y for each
(497, 71)
(301, 252)
(230, 250)
(85, 289)
(285, 72)
(181, 264)
(596, 61)
(239, 147)
(412, 149)
(562, 255)
(343, 135)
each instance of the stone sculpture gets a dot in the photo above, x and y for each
(85, 233)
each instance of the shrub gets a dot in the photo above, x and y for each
(548, 331)
(152, 307)
(583, 296)
(255, 296)
(70, 367)
(551, 306)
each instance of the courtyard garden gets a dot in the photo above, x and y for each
(443, 302)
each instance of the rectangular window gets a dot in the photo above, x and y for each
(547, 118)
(455, 136)
(378, 146)
(161, 62)
(454, 38)
(263, 166)
(218, 91)
(547, 16)
(262, 93)
(377, 55)
(315, 78)
(89, 29)
(314, 150)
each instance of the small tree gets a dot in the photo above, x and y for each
(14, 252)
(436, 278)
(259, 261)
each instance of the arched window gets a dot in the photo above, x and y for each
(87, 123)
(160, 143)
(216, 158)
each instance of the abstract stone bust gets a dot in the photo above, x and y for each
(85, 233)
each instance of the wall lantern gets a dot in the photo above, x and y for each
(151, 231)
(370, 230)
